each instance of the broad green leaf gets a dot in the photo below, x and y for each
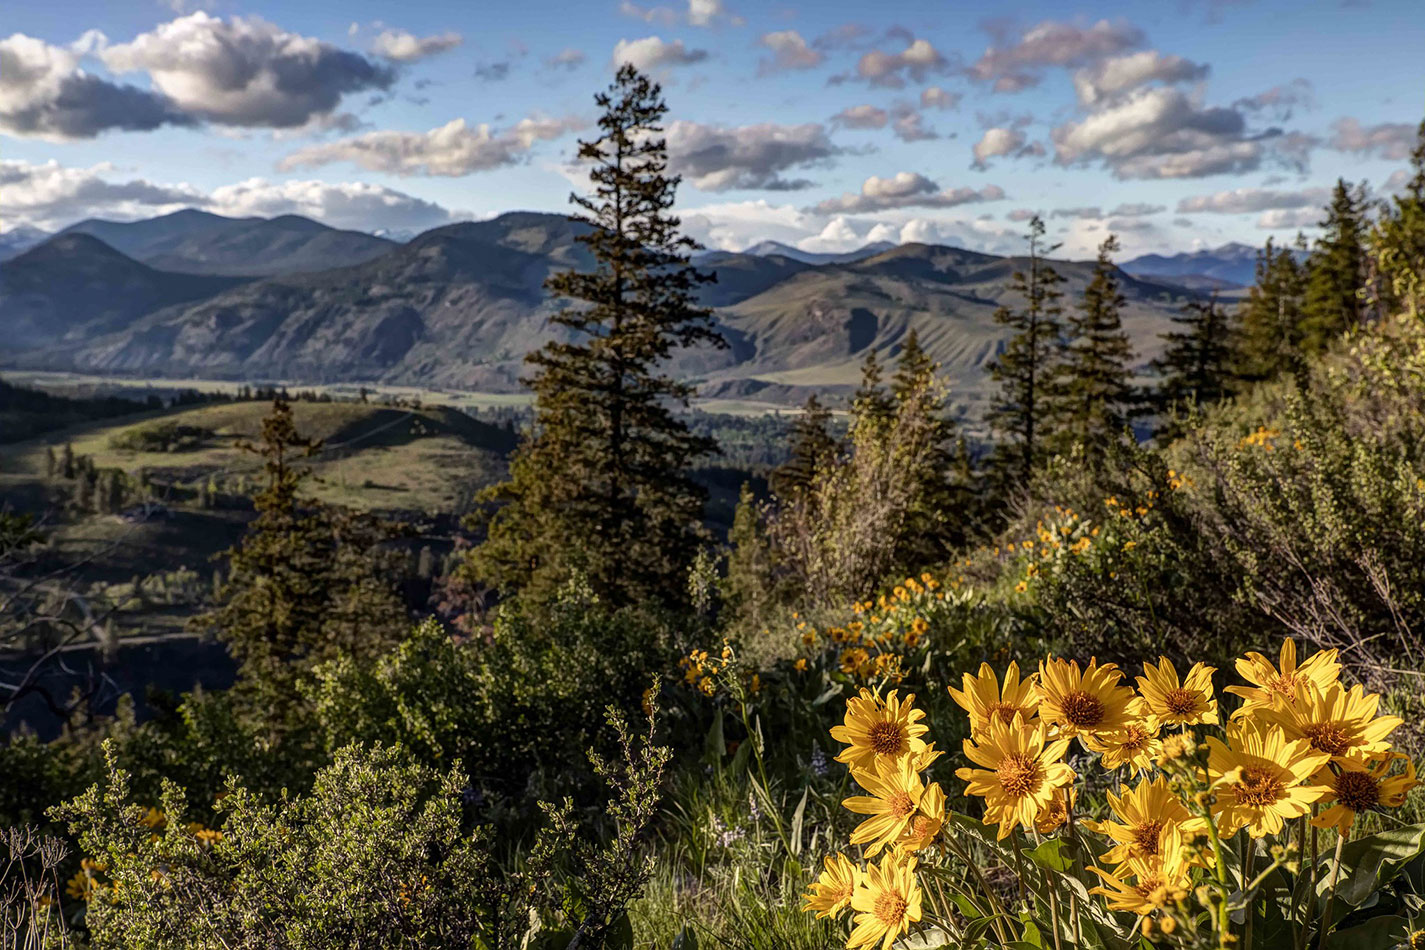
(714, 748)
(1050, 856)
(1378, 933)
(1367, 864)
(797, 817)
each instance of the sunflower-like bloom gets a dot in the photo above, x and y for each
(896, 791)
(1056, 812)
(1260, 777)
(1083, 702)
(1020, 772)
(874, 729)
(886, 902)
(1174, 702)
(832, 891)
(925, 825)
(1135, 746)
(1143, 885)
(1143, 812)
(1358, 783)
(1278, 683)
(983, 697)
(1337, 720)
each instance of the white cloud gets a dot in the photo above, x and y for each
(789, 51)
(357, 206)
(403, 47)
(1292, 218)
(1018, 63)
(1112, 77)
(246, 71)
(567, 58)
(718, 158)
(909, 125)
(905, 190)
(652, 53)
(453, 149)
(1248, 200)
(50, 195)
(1390, 140)
(933, 97)
(862, 117)
(1000, 141)
(917, 61)
(1135, 209)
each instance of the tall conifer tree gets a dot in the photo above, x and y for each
(600, 486)
(813, 446)
(1195, 366)
(1336, 271)
(1024, 368)
(1094, 392)
(1269, 337)
(1397, 242)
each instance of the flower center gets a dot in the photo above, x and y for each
(1357, 790)
(901, 805)
(1081, 710)
(1284, 684)
(1181, 702)
(887, 738)
(1258, 786)
(1135, 738)
(1145, 837)
(1004, 711)
(1328, 737)
(1018, 774)
(890, 908)
(922, 826)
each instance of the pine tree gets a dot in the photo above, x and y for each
(1194, 368)
(812, 446)
(1025, 366)
(1269, 334)
(1397, 243)
(1093, 391)
(66, 464)
(870, 404)
(600, 485)
(51, 462)
(1336, 272)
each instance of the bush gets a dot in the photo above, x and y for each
(161, 437)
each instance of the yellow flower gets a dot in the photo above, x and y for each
(1158, 881)
(887, 902)
(1056, 811)
(1134, 746)
(984, 698)
(1143, 812)
(1279, 682)
(874, 729)
(1356, 783)
(832, 892)
(1078, 702)
(1178, 703)
(1260, 776)
(1020, 772)
(896, 791)
(925, 825)
(1336, 720)
(853, 659)
(800, 665)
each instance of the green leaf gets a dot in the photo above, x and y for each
(687, 939)
(714, 747)
(1050, 856)
(797, 817)
(1378, 933)
(620, 935)
(1368, 864)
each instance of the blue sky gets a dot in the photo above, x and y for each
(1175, 125)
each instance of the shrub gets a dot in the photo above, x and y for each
(161, 437)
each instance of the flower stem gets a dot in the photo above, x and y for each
(1325, 925)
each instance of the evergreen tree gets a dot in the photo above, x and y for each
(1194, 367)
(51, 462)
(813, 445)
(1397, 243)
(752, 588)
(600, 485)
(66, 464)
(870, 404)
(1336, 272)
(1025, 366)
(1093, 392)
(1269, 333)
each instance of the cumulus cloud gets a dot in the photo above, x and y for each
(664, 16)
(1161, 132)
(862, 117)
(718, 158)
(1390, 140)
(246, 71)
(402, 47)
(1001, 141)
(1293, 218)
(1108, 78)
(44, 94)
(933, 97)
(1012, 64)
(1083, 213)
(568, 58)
(909, 125)
(50, 195)
(453, 149)
(651, 53)
(789, 51)
(1135, 209)
(703, 13)
(917, 61)
(1280, 101)
(905, 190)
(1021, 214)
(1249, 200)
(357, 206)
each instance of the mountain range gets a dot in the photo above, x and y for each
(197, 295)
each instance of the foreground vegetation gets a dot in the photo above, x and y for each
(614, 730)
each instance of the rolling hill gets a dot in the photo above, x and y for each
(459, 307)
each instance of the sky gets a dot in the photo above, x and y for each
(1175, 125)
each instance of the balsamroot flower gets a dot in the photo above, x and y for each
(832, 891)
(886, 902)
(1019, 775)
(983, 697)
(1172, 702)
(1143, 812)
(1143, 885)
(1358, 783)
(1134, 747)
(1336, 720)
(896, 791)
(874, 729)
(1260, 778)
(1083, 702)
(1273, 683)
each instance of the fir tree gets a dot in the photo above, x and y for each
(1025, 366)
(600, 485)
(1093, 392)
(870, 404)
(66, 463)
(813, 446)
(1397, 243)
(1194, 367)
(1269, 333)
(1336, 272)
(751, 588)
